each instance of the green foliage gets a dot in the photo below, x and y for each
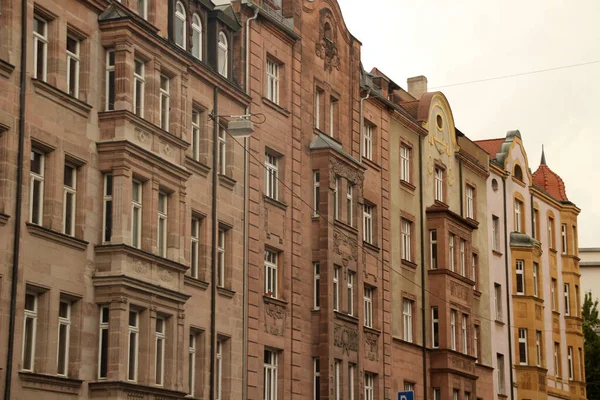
(591, 346)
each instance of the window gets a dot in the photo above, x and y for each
(64, 331)
(406, 239)
(553, 294)
(107, 209)
(437, 394)
(455, 393)
(110, 80)
(351, 372)
(196, 135)
(164, 102)
(433, 249)
(351, 278)
(195, 247)
(476, 350)
(270, 370)
(139, 83)
(192, 363)
(495, 233)
(518, 173)
(272, 81)
(368, 307)
(316, 378)
(405, 163)
(536, 228)
(197, 37)
(162, 224)
(464, 344)
(563, 235)
(223, 55)
(73, 66)
(577, 305)
(538, 347)
(520, 278)
(336, 288)
(103, 343)
(36, 187)
(518, 216)
(316, 189)
(271, 273)
(369, 386)
(581, 367)
(453, 329)
(219, 369)
(318, 100)
(500, 367)
(498, 301)
(222, 151)
(160, 350)
(407, 316)
(69, 199)
(474, 270)
(551, 233)
(368, 223)
(136, 213)
(179, 25)
(467, 396)
(557, 359)
(439, 184)
(567, 301)
(435, 328)
(367, 141)
(522, 346)
(570, 360)
(316, 286)
(40, 48)
(271, 176)
(337, 379)
(470, 196)
(463, 262)
(349, 204)
(333, 107)
(451, 255)
(409, 386)
(142, 8)
(133, 345)
(536, 271)
(29, 331)
(336, 198)
(221, 258)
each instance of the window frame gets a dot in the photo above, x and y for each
(272, 69)
(406, 239)
(316, 285)
(570, 363)
(271, 259)
(563, 234)
(164, 102)
(43, 39)
(407, 320)
(76, 58)
(69, 213)
(180, 16)
(438, 184)
(520, 277)
(523, 350)
(350, 203)
(40, 178)
(110, 77)
(103, 342)
(405, 158)
(192, 348)
(197, 29)
(336, 288)
(451, 252)
(270, 375)
(160, 339)
(464, 334)
(163, 224)
(30, 315)
(195, 246)
(221, 253)
(435, 327)
(196, 134)
(316, 191)
(433, 249)
(223, 54)
(136, 210)
(133, 331)
(453, 344)
(272, 175)
(139, 81)
(350, 292)
(368, 306)
(498, 301)
(470, 201)
(369, 386)
(222, 156)
(567, 293)
(219, 368)
(336, 197)
(368, 223)
(66, 322)
(367, 141)
(142, 11)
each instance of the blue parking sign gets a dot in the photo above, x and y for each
(410, 395)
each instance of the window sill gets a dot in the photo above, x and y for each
(371, 164)
(407, 185)
(345, 317)
(497, 253)
(371, 247)
(498, 322)
(273, 300)
(6, 69)
(50, 383)
(518, 181)
(197, 166)
(553, 250)
(276, 203)
(225, 292)
(345, 226)
(57, 237)
(227, 182)
(195, 282)
(58, 96)
(372, 330)
(281, 110)
(556, 313)
(3, 219)
(476, 293)
(409, 264)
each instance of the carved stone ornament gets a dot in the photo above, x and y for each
(326, 47)
(346, 338)
(120, 299)
(345, 246)
(371, 346)
(346, 172)
(141, 136)
(274, 319)
(166, 275)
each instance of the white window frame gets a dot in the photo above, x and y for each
(462, 244)
(136, 214)
(556, 359)
(195, 247)
(337, 390)
(369, 386)
(368, 306)
(405, 163)
(316, 378)
(495, 233)
(272, 89)
(316, 286)
(139, 80)
(538, 347)
(474, 270)
(75, 57)
(271, 176)
(143, 8)
(368, 223)
(221, 248)
(563, 234)
(553, 290)
(350, 285)
(435, 327)
(349, 204)
(37, 177)
(351, 372)
(465, 342)
(63, 321)
(523, 346)
(567, 299)
(367, 140)
(103, 327)
(518, 212)
(470, 196)
(163, 225)
(271, 273)
(222, 151)
(453, 329)
(439, 184)
(110, 77)
(437, 394)
(270, 376)
(69, 191)
(520, 280)
(318, 99)
(536, 271)
(29, 315)
(223, 55)
(197, 33)
(407, 306)
(159, 350)
(219, 369)
(433, 249)
(336, 197)
(134, 332)
(451, 255)
(336, 288)
(501, 376)
(570, 362)
(165, 99)
(316, 191)
(40, 37)
(551, 232)
(498, 301)
(192, 363)
(332, 104)
(180, 16)
(196, 134)
(406, 239)
(476, 343)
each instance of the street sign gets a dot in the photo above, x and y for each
(410, 395)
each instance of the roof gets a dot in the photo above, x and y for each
(411, 107)
(491, 146)
(549, 180)
(322, 141)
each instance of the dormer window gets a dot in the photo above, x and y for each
(518, 173)
(222, 54)
(327, 32)
(179, 25)
(197, 37)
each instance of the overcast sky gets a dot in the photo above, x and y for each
(460, 41)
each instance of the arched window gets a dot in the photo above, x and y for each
(223, 54)
(197, 37)
(518, 173)
(327, 31)
(179, 25)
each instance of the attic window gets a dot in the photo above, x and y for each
(494, 185)
(518, 173)
(327, 31)
(440, 122)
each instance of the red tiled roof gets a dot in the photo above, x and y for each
(548, 180)
(491, 146)
(411, 107)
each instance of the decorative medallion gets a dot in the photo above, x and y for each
(274, 319)
(346, 338)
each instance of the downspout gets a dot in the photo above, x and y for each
(360, 126)
(423, 313)
(245, 256)
(506, 268)
(19, 197)
(533, 227)
(213, 259)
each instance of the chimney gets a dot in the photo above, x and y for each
(417, 86)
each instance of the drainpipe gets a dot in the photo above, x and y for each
(533, 227)
(360, 127)
(423, 313)
(19, 196)
(213, 259)
(245, 255)
(506, 268)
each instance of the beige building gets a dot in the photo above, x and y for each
(589, 266)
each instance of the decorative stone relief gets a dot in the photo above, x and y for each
(274, 319)
(166, 275)
(525, 381)
(458, 291)
(140, 267)
(346, 172)
(141, 136)
(542, 382)
(326, 47)
(168, 150)
(371, 346)
(461, 364)
(346, 338)
(119, 299)
(538, 312)
(345, 246)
